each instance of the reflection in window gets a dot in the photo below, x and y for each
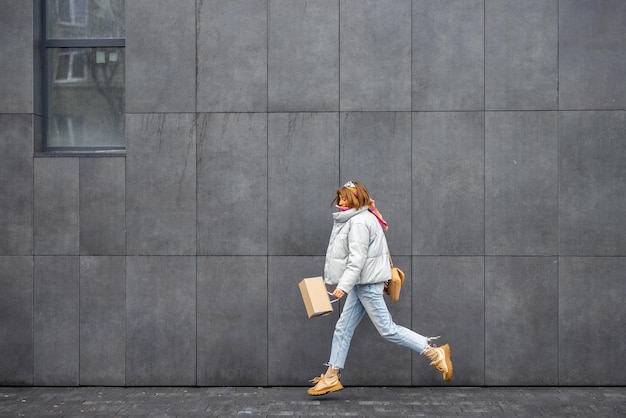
(85, 75)
(72, 12)
(67, 129)
(71, 67)
(85, 19)
(88, 87)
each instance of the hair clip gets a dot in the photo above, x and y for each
(350, 185)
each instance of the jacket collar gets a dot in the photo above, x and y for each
(345, 215)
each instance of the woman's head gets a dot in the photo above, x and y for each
(353, 195)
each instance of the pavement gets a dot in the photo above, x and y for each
(294, 402)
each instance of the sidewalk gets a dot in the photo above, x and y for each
(294, 402)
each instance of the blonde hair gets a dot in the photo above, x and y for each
(354, 200)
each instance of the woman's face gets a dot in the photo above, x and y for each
(342, 200)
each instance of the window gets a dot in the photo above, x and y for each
(68, 128)
(72, 12)
(71, 67)
(84, 75)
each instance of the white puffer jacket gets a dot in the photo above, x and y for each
(357, 252)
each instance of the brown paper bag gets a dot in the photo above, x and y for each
(315, 297)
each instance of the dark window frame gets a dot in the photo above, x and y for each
(67, 43)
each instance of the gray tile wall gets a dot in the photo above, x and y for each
(375, 55)
(521, 183)
(102, 320)
(303, 157)
(591, 308)
(490, 132)
(232, 56)
(161, 184)
(16, 188)
(303, 70)
(56, 320)
(232, 173)
(443, 284)
(56, 206)
(521, 321)
(448, 55)
(592, 204)
(521, 54)
(448, 182)
(232, 318)
(16, 70)
(16, 327)
(102, 206)
(161, 39)
(591, 55)
(161, 320)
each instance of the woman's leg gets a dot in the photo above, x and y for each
(371, 297)
(351, 316)
(376, 308)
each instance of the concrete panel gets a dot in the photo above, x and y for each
(372, 359)
(592, 205)
(592, 58)
(56, 321)
(521, 183)
(448, 55)
(232, 321)
(56, 207)
(448, 183)
(592, 310)
(232, 184)
(375, 55)
(102, 206)
(16, 326)
(38, 133)
(16, 164)
(102, 320)
(232, 56)
(521, 50)
(161, 321)
(303, 173)
(37, 63)
(303, 55)
(161, 184)
(521, 321)
(161, 56)
(441, 285)
(375, 147)
(298, 346)
(16, 70)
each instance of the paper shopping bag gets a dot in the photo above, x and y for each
(315, 297)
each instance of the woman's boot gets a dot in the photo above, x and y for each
(440, 359)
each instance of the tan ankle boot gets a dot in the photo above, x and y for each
(317, 379)
(325, 384)
(440, 359)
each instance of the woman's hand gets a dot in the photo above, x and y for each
(338, 293)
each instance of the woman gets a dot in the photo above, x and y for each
(357, 261)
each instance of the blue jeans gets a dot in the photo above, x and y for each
(369, 298)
